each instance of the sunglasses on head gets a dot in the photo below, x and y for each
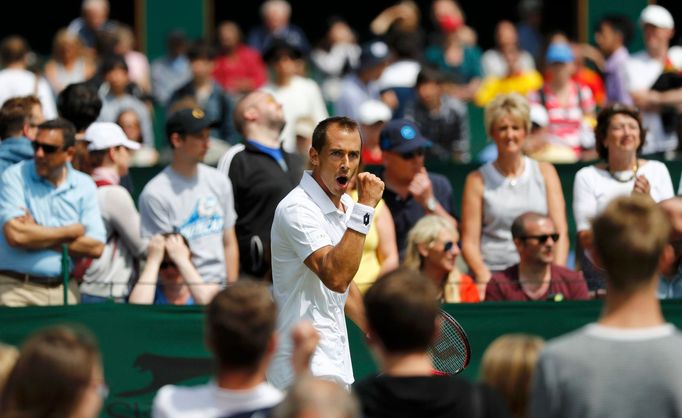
(542, 238)
(410, 155)
(47, 148)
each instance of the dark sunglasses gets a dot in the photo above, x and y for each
(447, 246)
(410, 155)
(542, 238)
(47, 148)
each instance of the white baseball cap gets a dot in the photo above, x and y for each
(104, 135)
(373, 111)
(657, 16)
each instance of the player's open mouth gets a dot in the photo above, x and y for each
(342, 180)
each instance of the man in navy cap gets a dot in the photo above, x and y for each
(194, 200)
(411, 192)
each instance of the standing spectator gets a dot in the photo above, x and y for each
(68, 64)
(501, 190)
(535, 277)
(529, 28)
(494, 61)
(44, 203)
(239, 69)
(171, 71)
(613, 35)
(411, 192)
(15, 126)
(111, 275)
(261, 173)
(207, 93)
(441, 118)
(432, 249)
(360, 85)
(15, 78)
(607, 368)
(276, 15)
(194, 200)
(299, 96)
(94, 19)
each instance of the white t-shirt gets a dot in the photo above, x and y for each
(594, 188)
(209, 401)
(16, 82)
(305, 221)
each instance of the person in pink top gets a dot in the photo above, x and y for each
(239, 69)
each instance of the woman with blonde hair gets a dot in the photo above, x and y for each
(432, 249)
(499, 191)
(508, 365)
(68, 63)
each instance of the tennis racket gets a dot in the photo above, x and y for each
(450, 351)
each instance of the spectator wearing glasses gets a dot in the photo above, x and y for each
(45, 203)
(536, 277)
(501, 190)
(411, 192)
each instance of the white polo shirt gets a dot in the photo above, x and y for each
(305, 221)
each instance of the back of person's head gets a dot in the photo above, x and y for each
(8, 357)
(113, 62)
(320, 132)
(80, 104)
(620, 24)
(61, 124)
(508, 365)
(13, 49)
(14, 115)
(514, 105)
(629, 238)
(402, 309)
(317, 398)
(201, 50)
(405, 45)
(54, 369)
(425, 231)
(240, 323)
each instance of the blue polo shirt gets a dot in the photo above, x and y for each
(74, 201)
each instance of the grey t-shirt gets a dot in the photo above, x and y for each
(601, 371)
(200, 208)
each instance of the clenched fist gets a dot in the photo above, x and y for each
(370, 189)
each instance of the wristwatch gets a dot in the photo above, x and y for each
(431, 204)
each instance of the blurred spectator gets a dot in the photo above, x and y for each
(372, 116)
(313, 397)
(239, 69)
(461, 63)
(495, 62)
(670, 281)
(129, 121)
(300, 97)
(171, 71)
(275, 15)
(80, 104)
(529, 28)
(432, 249)
(94, 18)
(614, 33)
(535, 276)
(8, 357)
(361, 85)
(110, 276)
(58, 373)
(15, 78)
(448, 20)
(138, 64)
(540, 144)
(36, 219)
(404, 16)
(499, 191)
(15, 132)
(68, 64)
(508, 366)
(208, 94)
(398, 79)
(441, 118)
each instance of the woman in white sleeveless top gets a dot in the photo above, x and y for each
(499, 191)
(68, 64)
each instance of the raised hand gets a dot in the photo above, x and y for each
(370, 189)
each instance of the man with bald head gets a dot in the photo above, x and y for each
(262, 173)
(535, 277)
(670, 281)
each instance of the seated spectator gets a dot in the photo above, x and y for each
(670, 282)
(58, 373)
(508, 365)
(111, 276)
(171, 71)
(499, 191)
(129, 121)
(535, 277)
(15, 127)
(275, 15)
(529, 27)
(432, 249)
(315, 397)
(169, 277)
(372, 116)
(540, 144)
(94, 19)
(299, 96)
(398, 79)
(138, 64)
(80, 104)
(239, 69)
(460, 63)
(441, 118)
(36, 219)
(402, 312)
(495, 62)
(68, 63)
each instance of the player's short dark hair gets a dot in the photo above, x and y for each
(61, 124)
(402, 307)
(620, 24)
(240, 322)
(320, 132)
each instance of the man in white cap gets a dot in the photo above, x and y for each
(372, 115)
(108, 277)
(643, 71)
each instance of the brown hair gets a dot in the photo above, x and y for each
(320, 132)
(508, 365)
(604, 120)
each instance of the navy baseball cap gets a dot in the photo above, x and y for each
(402, 136)
(188, 121)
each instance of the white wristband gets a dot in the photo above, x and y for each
(361, 218)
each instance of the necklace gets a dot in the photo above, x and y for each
(512, 177)
(619, 176)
